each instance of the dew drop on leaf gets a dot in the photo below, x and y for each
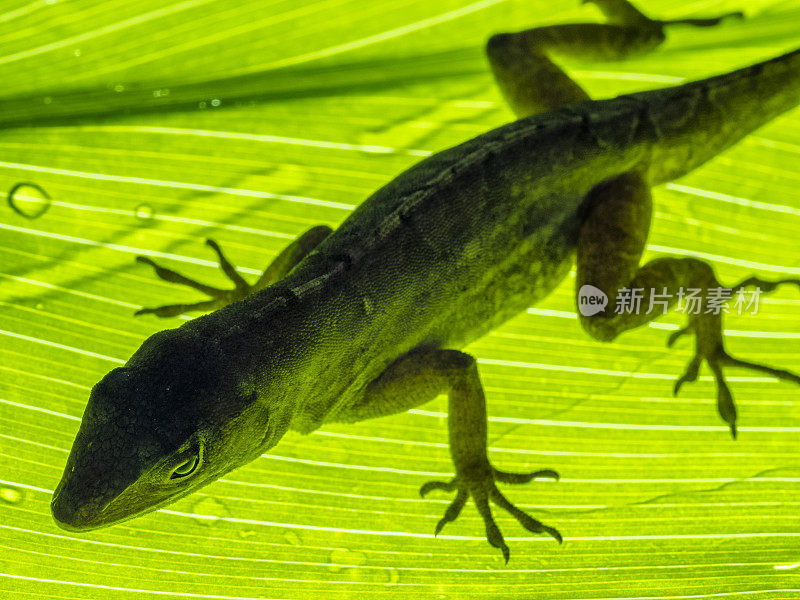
(209, 511)
(144, 212)
(29, 200)
(363, 575)
(11, 495)
(344, 557)
(292, 538)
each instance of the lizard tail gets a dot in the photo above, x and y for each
(698, 120)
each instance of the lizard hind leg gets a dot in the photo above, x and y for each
(532, 83)
(610, 245)
(709, 347)
(622, 12)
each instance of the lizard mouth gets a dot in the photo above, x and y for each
(76, 517)
(87, 518)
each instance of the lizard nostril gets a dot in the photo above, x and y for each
(68, 516)
(63, 512)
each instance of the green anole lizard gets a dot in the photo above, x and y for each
(368, 320)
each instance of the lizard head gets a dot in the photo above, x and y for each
(172, 420)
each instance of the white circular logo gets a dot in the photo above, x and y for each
(591, 300)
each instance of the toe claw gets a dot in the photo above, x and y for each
(452, 512)
(506, 552)
(765, 285)
(725, 405)
(547, 473)
(495, 538)
(690, 374)
(728, 360)
(673, 337)
(507, 477)
(493, 533)
(554, 533)
(527, 521)
(436, 485)
(241, 286)
(439, 526)
(173, 310)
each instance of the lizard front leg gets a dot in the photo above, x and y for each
(277, 270)
(609, 248)
(418, 377)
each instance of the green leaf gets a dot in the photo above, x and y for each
(152, 126)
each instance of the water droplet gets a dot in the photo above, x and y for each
(363, 575)
(216, 102)
(40, 306)
(11, 495)
(209, 511)
(202, 105)
(119, 88)
(32, 197)
(144, 212)
(247, 533)
(77, 52)
(375, 143)
(160, 93)
(343, 557)
(292, 538)
(47, 99)
(287, 179)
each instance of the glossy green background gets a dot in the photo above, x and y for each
(155, 125)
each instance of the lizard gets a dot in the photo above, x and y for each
(369, 320)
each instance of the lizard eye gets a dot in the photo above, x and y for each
(185, 469)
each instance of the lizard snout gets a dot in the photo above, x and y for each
(70, 516)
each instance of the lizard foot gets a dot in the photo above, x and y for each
(711, 22)
(622, 12)
(219, 297)
(709, 347)
(480, 484)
